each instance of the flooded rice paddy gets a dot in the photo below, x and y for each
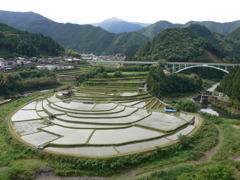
(98, 124)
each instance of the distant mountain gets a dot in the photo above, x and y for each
(117, 26)
(157, 27)
(21, 20)
(14, 42)
(221, 28)
(194, 44)
(81, 38)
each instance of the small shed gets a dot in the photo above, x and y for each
(67, 93)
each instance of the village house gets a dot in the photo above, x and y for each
(3, 63)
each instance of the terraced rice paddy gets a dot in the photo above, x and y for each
(99, 123)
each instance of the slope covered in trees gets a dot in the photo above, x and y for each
(154, 29)
(80, 38)
(127, 43)
(179, 44)
(14, 42)
(194, 44)
(160, 84)
(221, 28)
(230, 84)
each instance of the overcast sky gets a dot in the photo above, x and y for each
(146, 11)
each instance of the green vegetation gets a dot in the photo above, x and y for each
(179, 44)
(126, 43)
(230, 84)
(21, 43)
(186, 105)
(160, 84)
(219, 167)
(221, 28)
(157, 27)
(80, 38)
(14, 155)
(27, 80)
(194, 44)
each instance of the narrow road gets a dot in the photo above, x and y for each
(214, 86)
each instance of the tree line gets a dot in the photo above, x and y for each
(230, 84)
(160, 84)
(27, 80)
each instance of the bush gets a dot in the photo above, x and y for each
(212, 172)
(186, 105)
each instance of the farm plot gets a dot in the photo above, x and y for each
(127, 112)
(27, 127)
(119, 136)
(113, 123)
(69, 136)
(53, 99)
(39, 106)
(184, 131)
(75, 106)
(161, 121)
(85, 126)
(24, 115)
(39, 138)
(116, 108)
(50, 110)
(142, 145)
(31, 105)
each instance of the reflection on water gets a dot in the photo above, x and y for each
(210, 111)
(213, 110)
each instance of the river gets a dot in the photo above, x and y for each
(213, 110)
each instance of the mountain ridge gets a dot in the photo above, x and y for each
(80, 38)
(194, 43)
(117, 26)
(221, 28)
(14, 42)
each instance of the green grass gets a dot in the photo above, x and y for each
(127, 74)
(220, 166)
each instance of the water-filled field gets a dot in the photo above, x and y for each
(100, 124)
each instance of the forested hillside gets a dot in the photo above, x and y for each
(160, 84)
(194, 44)
(221, 28)
(179, 44)
(127, 43)
(80, 38)
(157, 27)
(230, 84)
(14, 42)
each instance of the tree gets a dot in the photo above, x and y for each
(188, 105)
